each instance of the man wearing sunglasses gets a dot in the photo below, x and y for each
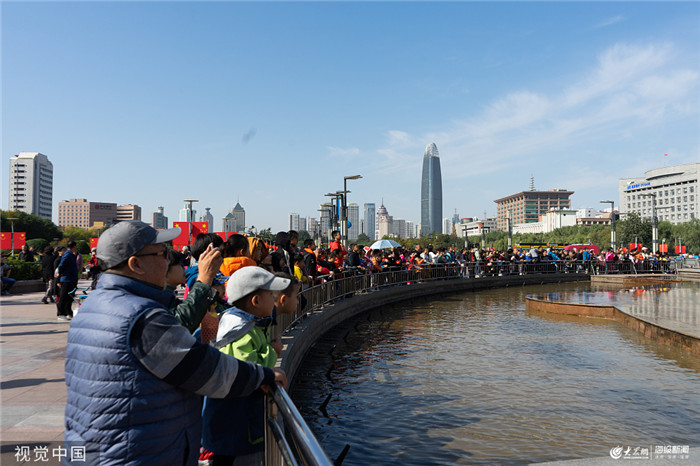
(133, 373)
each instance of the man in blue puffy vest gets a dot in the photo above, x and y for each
(133, 373)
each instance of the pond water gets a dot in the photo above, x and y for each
(473, 378)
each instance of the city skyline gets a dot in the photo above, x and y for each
(580, 95)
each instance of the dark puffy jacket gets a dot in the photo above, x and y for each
(120, 411)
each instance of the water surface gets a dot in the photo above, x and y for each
(473, 378)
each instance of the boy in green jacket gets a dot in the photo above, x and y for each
(234, 428)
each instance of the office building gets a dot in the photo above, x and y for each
(354, 219)
(158, 219)
(31, 184)
(476, 227)
(369, 225)
(674, 189)
(431, 192)
(528, 206)
(294, 221)
(128, 212)
(84, 214)
(234, 222)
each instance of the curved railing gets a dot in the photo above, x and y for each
(330, 289)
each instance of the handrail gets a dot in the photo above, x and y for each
(307, 446)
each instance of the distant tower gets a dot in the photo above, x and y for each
(431, 192)
(207, 217)
(532, 182)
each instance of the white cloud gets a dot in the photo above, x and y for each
(630, 88)
(609, 22)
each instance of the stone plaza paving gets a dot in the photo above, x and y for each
(33, 390)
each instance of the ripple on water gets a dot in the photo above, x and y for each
(474, 379)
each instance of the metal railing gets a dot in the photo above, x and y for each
(331, 289)
(307, 448)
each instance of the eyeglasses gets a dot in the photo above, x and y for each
(163, 253)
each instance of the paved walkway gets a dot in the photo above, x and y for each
(32, 384)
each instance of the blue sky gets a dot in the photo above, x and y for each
(272, 104)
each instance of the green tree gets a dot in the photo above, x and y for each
(689, 233)
(32, 225)
(634, 226)
(303, 236)
(363, 240)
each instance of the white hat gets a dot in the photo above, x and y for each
(246, 280)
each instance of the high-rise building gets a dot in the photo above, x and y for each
(31, 184)
(314, 228)
(207, 217)
(294, 221)
(234, 220)
(325, 224)
(354, 219)
(186, 214)
(158, 219)
(431, 192)
(674, 189)
(385, 223)
(528, 206)
(128, 212)
(84, 214)
(369, 224)
(446, 226)
(410, 229)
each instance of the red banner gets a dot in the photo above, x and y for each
(634, 246)
(6, 240)
(93, 242)
(199, 227)
(663, 247)
(181, 240)
(679, 249)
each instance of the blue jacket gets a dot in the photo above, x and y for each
(68, 268)
(118, 409)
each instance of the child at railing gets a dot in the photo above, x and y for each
(233, 428)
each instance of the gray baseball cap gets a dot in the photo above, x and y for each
(252, 278)
(125, 239)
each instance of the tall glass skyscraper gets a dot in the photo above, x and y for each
(370, 216)
(431, 192)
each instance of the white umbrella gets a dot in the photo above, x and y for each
(384, 244)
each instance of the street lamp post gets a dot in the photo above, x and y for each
(12, 234)
(654, 223)
(328, 207)
(190, 220)
(613, 236)
(344, 229)
(510, 229)
(336, 199)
